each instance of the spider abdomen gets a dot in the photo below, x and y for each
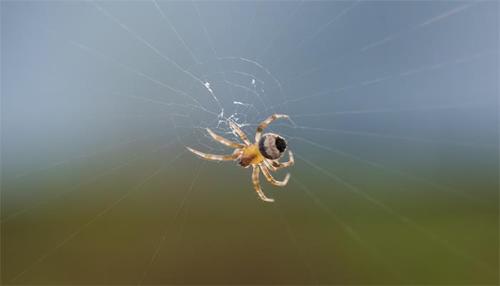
(271, 146)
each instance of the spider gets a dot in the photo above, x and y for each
(262, 155)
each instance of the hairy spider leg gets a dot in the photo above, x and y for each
(263, 125)
(256, 185)
(275, 165)
(214, 157)
(224, 141)
(271, 179)
(240, 132)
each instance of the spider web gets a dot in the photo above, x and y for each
(169, 79)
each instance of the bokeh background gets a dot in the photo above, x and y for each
(395, 131)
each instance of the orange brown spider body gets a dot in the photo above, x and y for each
(250, 156)
(262, 155)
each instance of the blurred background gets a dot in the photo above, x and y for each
(395, 131)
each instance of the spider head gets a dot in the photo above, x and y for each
(272, 146)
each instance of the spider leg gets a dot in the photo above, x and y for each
(213, 157)
(224, 141)
(275, 165)
(263, 125)
(269, 165)
(256, 185)
(240, 132)
(271, 179)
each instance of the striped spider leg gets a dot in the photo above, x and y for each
(236, 154)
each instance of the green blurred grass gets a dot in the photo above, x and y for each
(320, 233)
